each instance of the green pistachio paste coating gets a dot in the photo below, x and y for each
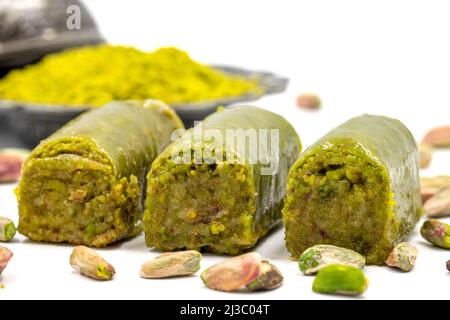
(356, 188)
(219, 206)
(84, 184)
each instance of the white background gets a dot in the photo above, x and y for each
(380, 57)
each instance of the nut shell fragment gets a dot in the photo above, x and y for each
(90, 264)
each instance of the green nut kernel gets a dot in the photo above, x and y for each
(436, 232)
(318, 257)
(7, 229)
(104, 273)
(339, 279)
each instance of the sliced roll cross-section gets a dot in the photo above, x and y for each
(357, 187)
(84, 184)
(216, 195)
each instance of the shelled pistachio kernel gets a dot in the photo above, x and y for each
(233, 273)
(339, 279)
(172, 264)
(403, 257)
(436, 232)
(269, 278)
(5, 256)
(318, 257)
(11, 161)
(438, 137)
(309, 101)
(439, 204)
(426, 155)
(7, 229)
(429, 186)
(90, 264)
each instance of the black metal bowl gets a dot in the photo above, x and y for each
(30, 29)
(34, 122)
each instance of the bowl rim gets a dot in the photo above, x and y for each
(61, 40)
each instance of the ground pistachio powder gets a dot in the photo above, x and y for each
(95, 75)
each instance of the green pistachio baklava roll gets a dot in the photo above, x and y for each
(85, 183)
(357, 187)
(221, 194)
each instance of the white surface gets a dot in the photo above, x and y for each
(380, 57)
